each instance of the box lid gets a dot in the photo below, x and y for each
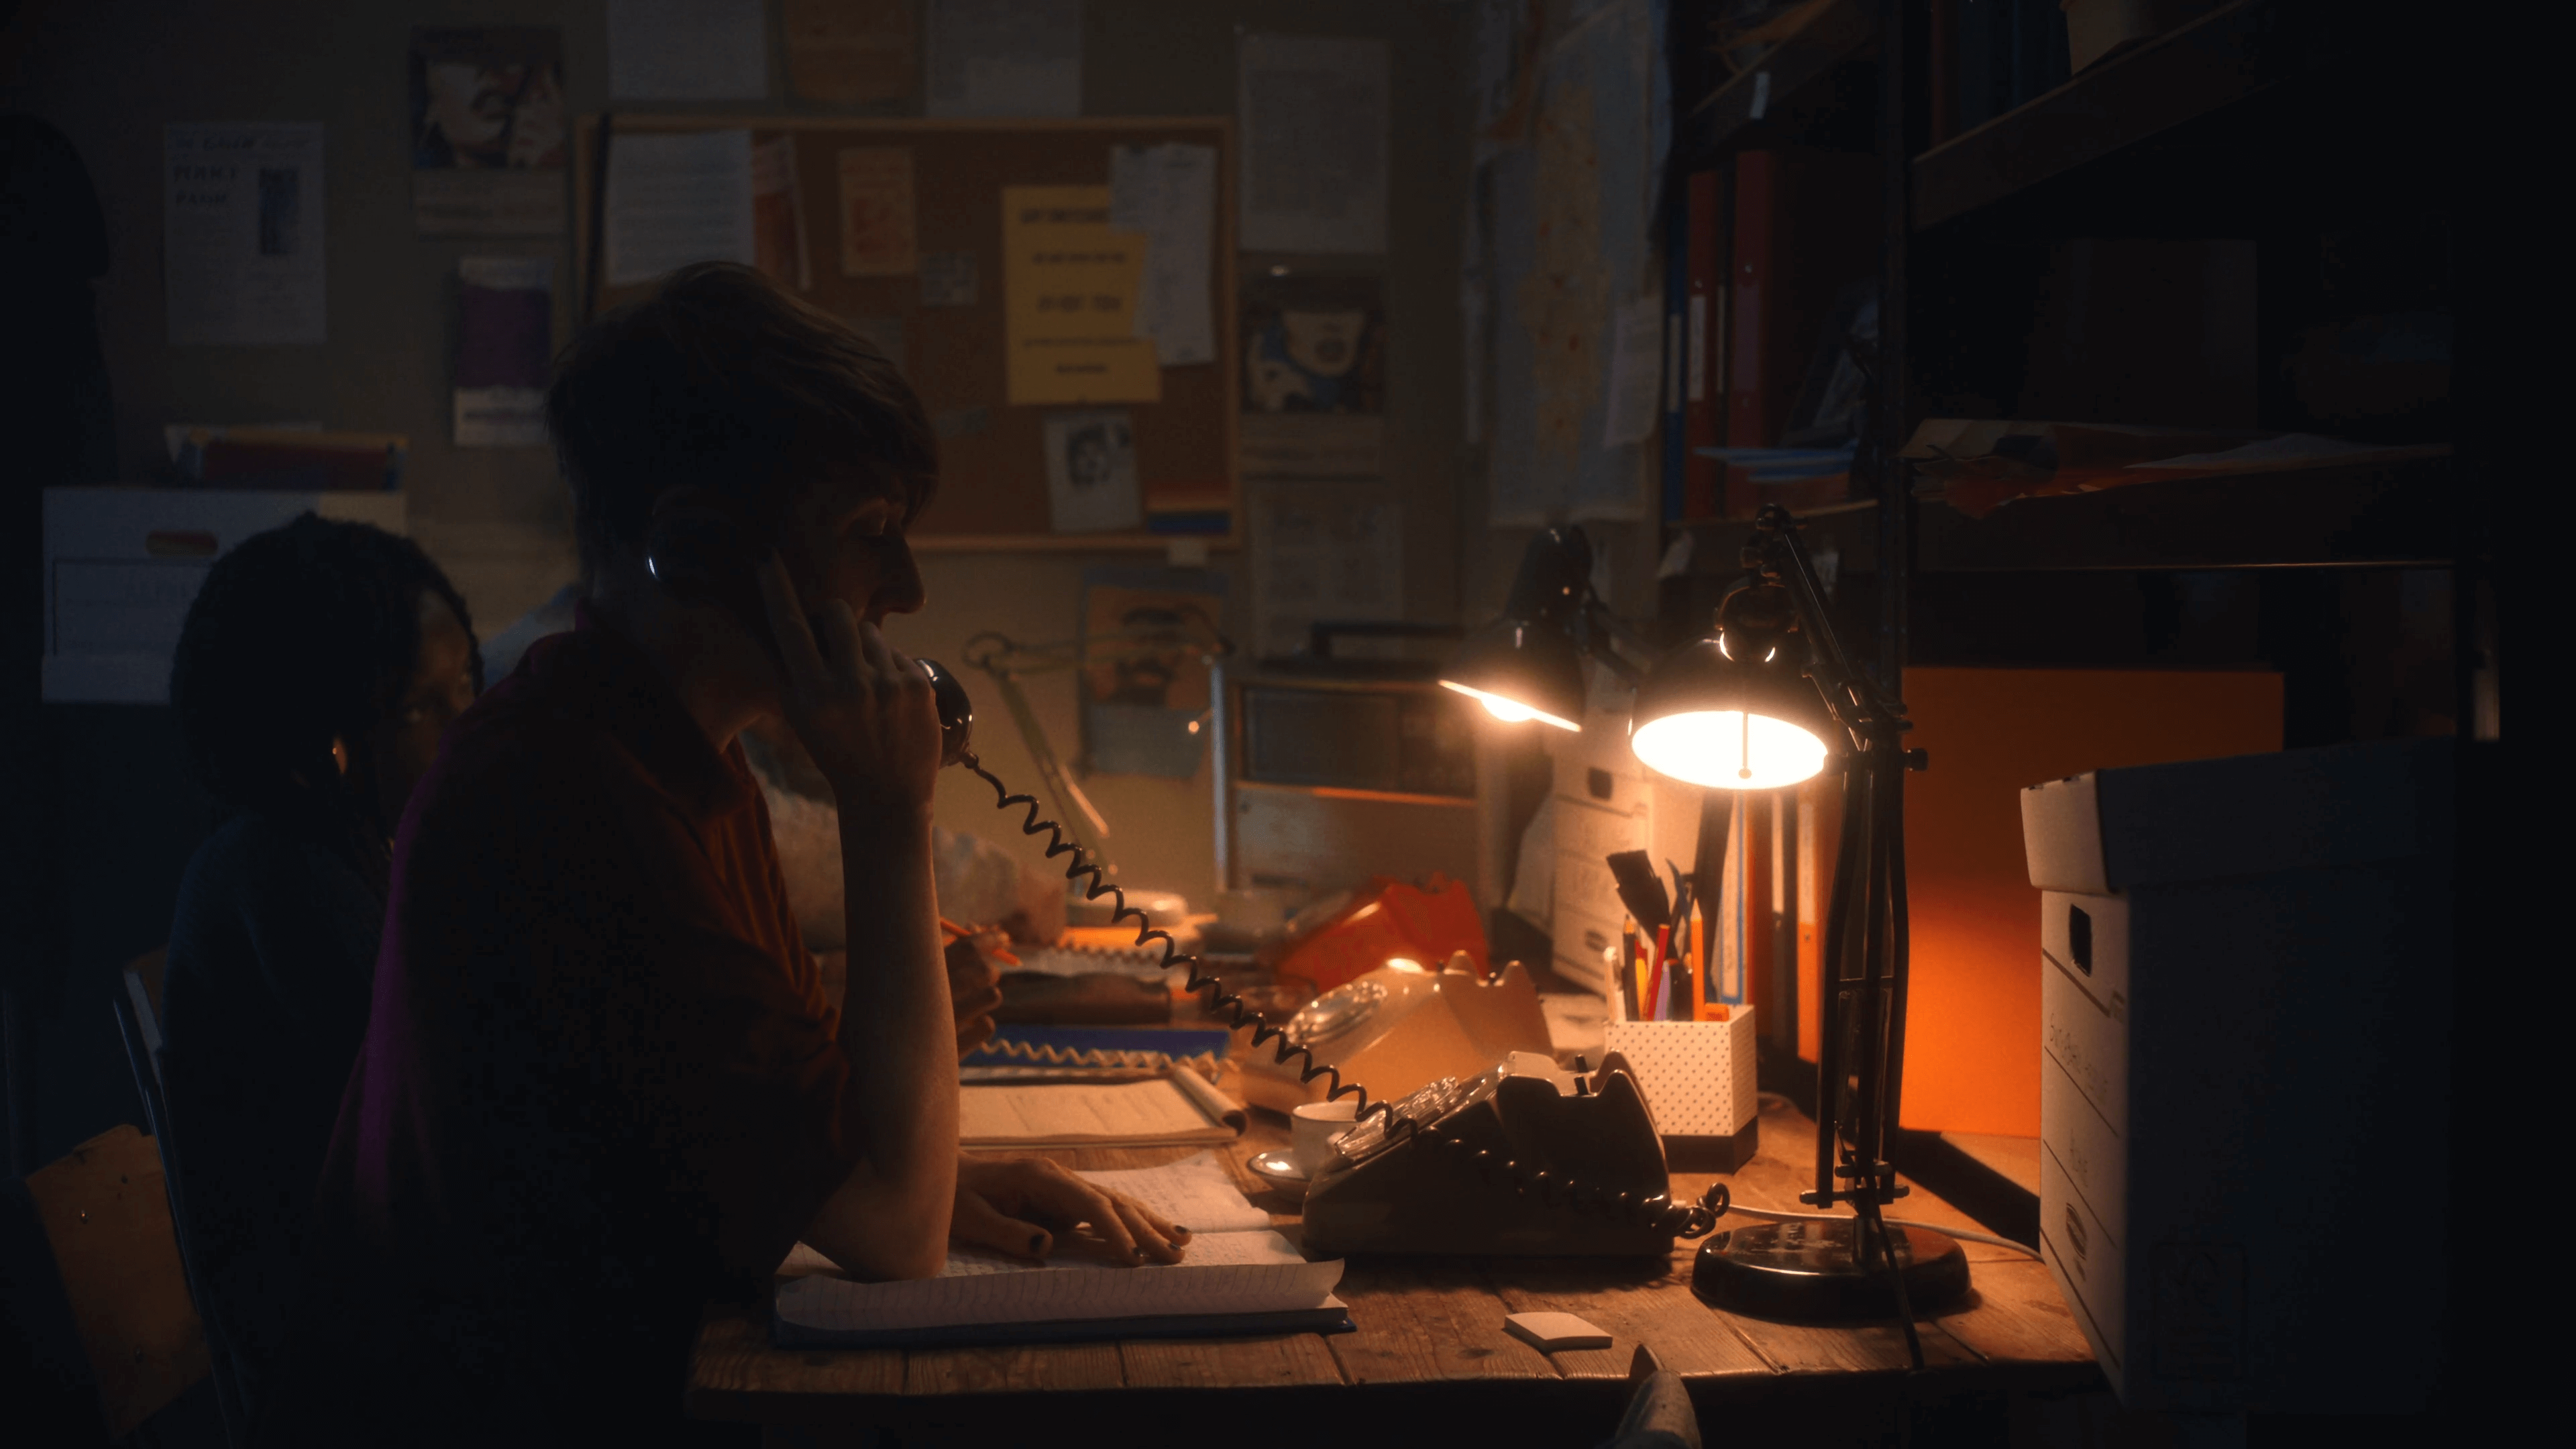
(2246, 815)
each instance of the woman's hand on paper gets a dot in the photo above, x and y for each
(1027, 1207)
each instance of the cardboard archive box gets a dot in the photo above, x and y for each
(2245, 1044)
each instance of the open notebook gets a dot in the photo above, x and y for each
(1238, 1277)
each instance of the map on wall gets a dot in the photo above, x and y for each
(1570, 231)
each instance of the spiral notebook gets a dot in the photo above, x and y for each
(1237, 1277)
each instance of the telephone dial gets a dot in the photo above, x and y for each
(1519, 1158)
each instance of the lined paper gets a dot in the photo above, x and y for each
(1234, 1265)
(1163, 1110)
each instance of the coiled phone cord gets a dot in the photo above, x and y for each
(1657, 1212)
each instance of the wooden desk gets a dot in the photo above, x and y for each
(1431, 1354)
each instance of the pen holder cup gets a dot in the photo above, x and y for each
(1698, 1078)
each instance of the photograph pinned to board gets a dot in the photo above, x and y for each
(1323, 552)
(877, 222)
(242, 233)
(1147, 636)
(1003, 58)
(1069, 292)
(504, 350)
(1314, 374)
(778, 214)
(948, 279)
(1091, 472)
(487, 131)
(677, 199)
(850, 52)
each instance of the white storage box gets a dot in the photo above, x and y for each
(2245, 1037)
(1698, 1077)
(123, 564)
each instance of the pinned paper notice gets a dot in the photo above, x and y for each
(1069, 285)
(1636, 372)
(1314, 143)
(673, 200)
(876, 212)
(688, 50)
(241, 234)
(1004, 58)
(1169, 193)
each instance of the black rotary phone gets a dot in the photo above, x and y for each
(1406, 1177)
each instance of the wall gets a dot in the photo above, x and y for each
(111, 75)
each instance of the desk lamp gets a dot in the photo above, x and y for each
(1766, 700)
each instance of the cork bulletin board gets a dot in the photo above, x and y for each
(936, 300)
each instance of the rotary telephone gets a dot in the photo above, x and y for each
(1519, 1159)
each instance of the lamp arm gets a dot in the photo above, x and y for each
(1777, 552)
(1612, 631)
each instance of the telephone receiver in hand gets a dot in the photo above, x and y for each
(701, 555)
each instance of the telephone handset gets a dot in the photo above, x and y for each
(1486, 1126)
(701, 554)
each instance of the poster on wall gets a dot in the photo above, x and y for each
(1314, 375)
(1323, 552)
(241, 234)
(487, 131)
(504, 350)
(1147, 634)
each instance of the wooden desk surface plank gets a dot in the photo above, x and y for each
(1426, 1323)
(1277, 1361)
(1423, 1320)
(1648, 1304)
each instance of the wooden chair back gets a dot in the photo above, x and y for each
(106, 1214)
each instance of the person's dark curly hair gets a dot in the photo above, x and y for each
(723, 380)
(298, 635)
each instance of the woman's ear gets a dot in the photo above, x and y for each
(340, 755)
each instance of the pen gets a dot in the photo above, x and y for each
(1699, 964)
(1655, 983)
(1628, 964)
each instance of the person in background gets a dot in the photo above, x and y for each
(317, 669)
(600, 1085)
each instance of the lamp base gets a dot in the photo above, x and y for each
(1806, 1270)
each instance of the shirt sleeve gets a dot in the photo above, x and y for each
(629, 949)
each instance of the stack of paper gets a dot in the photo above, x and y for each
(1236, 1277)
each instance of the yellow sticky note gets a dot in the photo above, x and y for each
(1069, 285)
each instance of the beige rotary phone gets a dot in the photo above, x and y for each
(1475, 1158)
(1402, 1027)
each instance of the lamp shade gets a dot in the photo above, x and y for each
(1707, 718)
(1520, 669)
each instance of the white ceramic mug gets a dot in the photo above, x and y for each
(1312, 1128)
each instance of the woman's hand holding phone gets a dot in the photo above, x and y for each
(863, 709)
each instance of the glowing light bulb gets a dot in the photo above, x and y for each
(1726, 750)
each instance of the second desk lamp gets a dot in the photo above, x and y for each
(1766, 699)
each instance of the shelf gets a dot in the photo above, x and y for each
(1848, 530)
(2389, 516)
(2221, 58)
(1831, 31)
